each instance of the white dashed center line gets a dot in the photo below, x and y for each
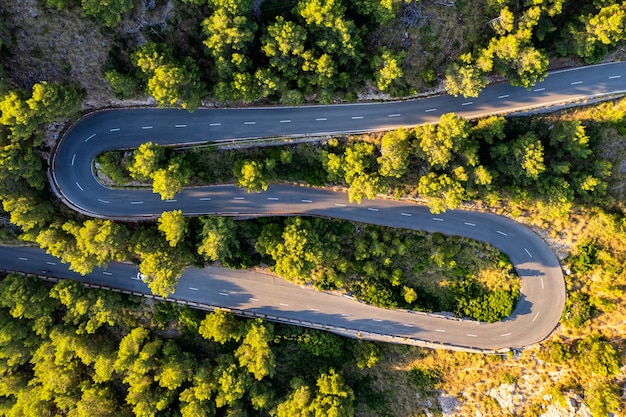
(285, 121)
(253, 299)
(106, 273)
(356, 117)
(437, 219)
(528, 252)
(405, 214)
(576, 82)
(372, 209)
(505, 334)
(90, 137)
(536, 315)
(542, 287)
(223, 293)
(170, 201)
(205, 199)
(22, 259)
(146, 127)
(471, 335)
(180, 126)
(78, 185)
(470, 224)
(321, 119)
(407, 325)
(502, 233)
(467, 103)
(503, 96)
(215, 124)
(612, 77)
(73, 159)
(193, 288)
(378, 320)
(539, 89)
(51, 263)
(239, 198)
(340, 205)
(136, 202)
(394, 115)
(272, 198)
(249, 123)
(117, 129)
(307, 201)
(285, 305)
(440, 331)
(104, 201)
(429, 110)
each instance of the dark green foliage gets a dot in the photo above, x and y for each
(586, 257)
(597, 356)
(425, 378)
(554, 351)
(578, 309)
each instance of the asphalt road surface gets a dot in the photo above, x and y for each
(543, 290)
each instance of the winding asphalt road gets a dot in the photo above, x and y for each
(543, 290)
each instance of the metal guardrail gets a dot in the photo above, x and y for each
(342, 331)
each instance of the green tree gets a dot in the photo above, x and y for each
(596, 356)
(602, 398)
(147, 159)
(395, 151)
(464, 78)
(174, 226)
(522, 159)
(124, 86)
(172, 179)
(217, 238)
(441, 191)
(222, 327)
(110, 12)
(252, 175)
(255, 352)
(334, 397)
(387, 67)
(438, 145)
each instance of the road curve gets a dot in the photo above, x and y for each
(543, 290)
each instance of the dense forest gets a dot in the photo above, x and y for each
(67, 350)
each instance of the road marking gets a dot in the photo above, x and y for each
(372, 209)
(285, 121)
(215, 124)
(394, 115)
(170, 201)
(239, 198)
(136, 202)
(502, 233)
(438, 219)
(78, 185)
(272, 198)
(136, 278)
(307, 201)
(116, 129)
(542, 287)
(146, 127)
(346, 315)
(440, 330)
(51, 263)
(253, 299)
(205, 199)
(249, 123)
(405, 214)
(528, 252)
(22, 259)
(471, 335)
(536, 315)
(223, 293)
(313, 309)
(612, 77)
(179, 126)
(429, 110)
(73, 159)
(106, 273)
(378, 320)
(193, 288)
(503, 96)
(576, 82)
(539, 89)
(90, 137)
(505, 334)
(356, 117)
(321, 119)
(467, 103)
(340, 205)
(470, 224)
(283, 304)
(407, 325)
